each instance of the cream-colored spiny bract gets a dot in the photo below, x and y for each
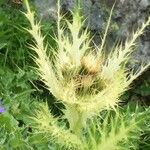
(79, 75)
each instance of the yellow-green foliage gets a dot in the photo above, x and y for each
(80, 75)
(44, 121)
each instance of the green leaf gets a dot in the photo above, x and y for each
(8, 121)
(38, 138)
(2, 45)
(143, 90)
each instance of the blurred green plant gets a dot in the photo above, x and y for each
(13, 39)
(143, 88)
(16, 93)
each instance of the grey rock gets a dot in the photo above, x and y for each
(46, 8)
(144, 4)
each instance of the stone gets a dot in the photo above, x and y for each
(46, 8)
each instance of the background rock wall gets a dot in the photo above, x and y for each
(128, 15)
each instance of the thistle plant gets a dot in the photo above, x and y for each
(88, 83)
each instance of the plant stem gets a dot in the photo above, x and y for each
(77, 128)
(76, 119)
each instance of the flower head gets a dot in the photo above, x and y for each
(2, 110)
